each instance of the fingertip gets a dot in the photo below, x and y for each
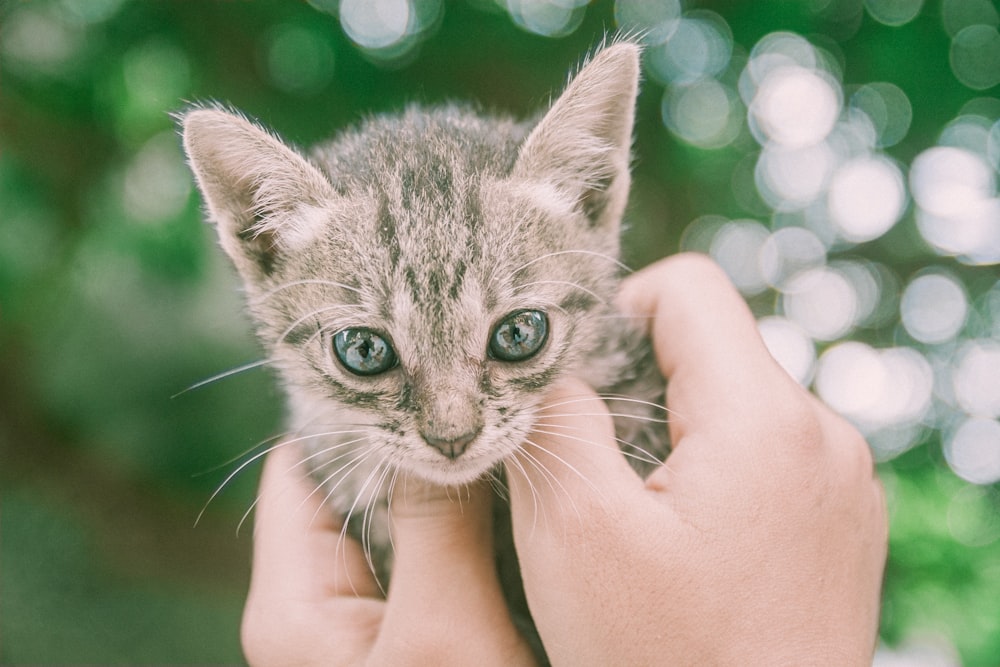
(639, 292)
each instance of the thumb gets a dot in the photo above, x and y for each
(431, 523)
(570, 460)
(444, 584)
(437, 533)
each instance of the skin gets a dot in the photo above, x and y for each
(761, 541)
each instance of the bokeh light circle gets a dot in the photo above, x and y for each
(894, 12)
(699, 233)
(299, 61)
(822, 301)
(889, 109)
(736, 247)
(973, 451)
(959, 14)
(788, 252)
(934, 307)
(375, 24)
(697, 46)
(706, 113)
(948, 181)
(975, 54)
(865, 279)
(35, 42)
(155, 184)
(775, 51)
(973, 237)
(866, 198)
(968, 132)
(790, 346)
(549, 18)
(908, 397)
(796, 107)
(878, 390)
(654, 22)
(976, 378)
(791, 178)
(851, 379)
(959, 211)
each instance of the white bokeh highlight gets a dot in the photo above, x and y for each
(934, 307)
(973, 450)
(867, 196)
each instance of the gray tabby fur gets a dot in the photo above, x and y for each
(430, 227)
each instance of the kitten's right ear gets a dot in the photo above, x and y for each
(582, 144)
(264, 197)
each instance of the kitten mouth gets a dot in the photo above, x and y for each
(463, 469)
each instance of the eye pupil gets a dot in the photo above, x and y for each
(363, 352)
(519, 336)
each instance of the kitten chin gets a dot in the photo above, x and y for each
(460, 472)
(422, 280)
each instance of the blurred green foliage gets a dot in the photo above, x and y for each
(113, 297)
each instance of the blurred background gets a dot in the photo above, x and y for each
(838, 157)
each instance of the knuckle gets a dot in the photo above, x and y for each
(796, 424)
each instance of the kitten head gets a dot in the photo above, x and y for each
(423, 279)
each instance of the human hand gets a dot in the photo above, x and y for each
(762, 540)
(313, 600)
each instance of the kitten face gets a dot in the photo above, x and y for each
(423, 281)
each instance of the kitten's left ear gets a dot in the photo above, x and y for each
(582, 145)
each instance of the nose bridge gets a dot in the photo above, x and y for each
(449, 406)
(444, 377)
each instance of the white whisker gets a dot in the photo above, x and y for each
(314, 313)
(239, 456)
(606, 397)
(590, 253)
(642, 454)
(377, 472)
(570, 467)
(388, 504)
(327, 450)
(223, 375)
(592, 293)
(531, 488)
(550, 476)
(624, 415)
(256, 457)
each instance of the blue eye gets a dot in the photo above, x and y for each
(519, 336)
(363, 352)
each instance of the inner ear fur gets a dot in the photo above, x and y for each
(583, 144)
(256, 188)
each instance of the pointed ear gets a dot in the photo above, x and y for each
(264, 197)
(582, 145)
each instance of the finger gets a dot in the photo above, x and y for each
(568, 482)
(445, 602)
(312, 599)
(706, 342)
(300, 550)
(574, 503)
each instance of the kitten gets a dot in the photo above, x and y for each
(422, 280)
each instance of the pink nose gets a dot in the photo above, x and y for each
(451, 447)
